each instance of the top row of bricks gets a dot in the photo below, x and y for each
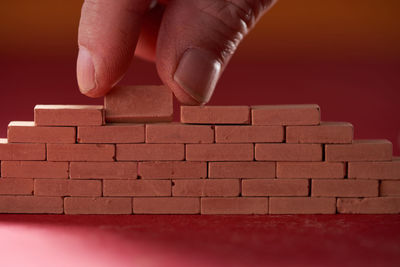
(155, 104)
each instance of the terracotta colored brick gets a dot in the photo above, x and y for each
(16, 186)
(80, 152)
(234, 205)
(27, 132)
(179, 133)
(375, 170)
(34, 169)
(215, 114)
(275, 187)
(68, 115)
(389, 188)
(172, 169)
(150, 152)
(219, 152)
(139, 104)
(310, 170)
(103, 170)
(241, 169)
(206, 188)
(302, 205)
(97, 205)
(111, 133)
(360, 150)
(285, 115)
(21, 151)
(326, 133)
(248, 134)
(369, 205)
(166, 205)
(66, 187)
(140, 188)
(344, 188)
(288, 152)
(30, 204)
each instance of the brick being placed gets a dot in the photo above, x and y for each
(103, 170)
(21, 151)
(385, 170)
(80, 152)
(206, 188)
(69, 115)
(360, 150)
(34, 169)
(166, 205)
(324, 133)
(344, 188)
(389, 189)
(315, 170)
(248, 134)
(97, 205)
(249, 169)
(369, 205)
(172, 169)
(16, 186)
(307, 114)
(139, 188)
(150, 152)
(215, 114)
(288, 152)
(31, 204)
(302, 205)
(275, 187)
(234, 205)
(67, 187)
(219, 152)
(178, 133)
(112, 133)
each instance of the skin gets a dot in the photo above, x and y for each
(160, 31)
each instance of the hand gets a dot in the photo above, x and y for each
(191, 41)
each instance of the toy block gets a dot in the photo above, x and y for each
(219, 152)
(166, 205)
(144, 152)
(103, 170)
(389, 189)
(111, 133)
(234, 205)
(80, 152)
(16, 186)
(139, 104)
(285, 115)
(139, 188)
(344, 188)
(369, 205)
(22, 151)
(302, 205)
(69, 115)
(375, 170)
(360, 150)
(275, 187)
(288, 152)
(27, 132)
(248, 134)
(172, 169)
(175, 133)
(97, 205)
(31, 204)
(66, 187)
(325, 133)
(313, 170)
(206, 188)
(215, 114)
(241, 169)
(34, 169)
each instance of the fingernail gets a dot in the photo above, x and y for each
(197, 73)
(85, 70)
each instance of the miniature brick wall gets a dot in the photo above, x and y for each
(277, 159)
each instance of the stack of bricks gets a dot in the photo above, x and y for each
(277, 159)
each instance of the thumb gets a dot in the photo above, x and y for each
(197, 39)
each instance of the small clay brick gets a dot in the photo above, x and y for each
(16, 186)
(325, 133)
(389, 188)
(175, 133)
(288, 152)
(27, 132)
(139, 104)
(219, 152)
(241, 169)
(248, 134)
(285, 115)
(97, 205)
(126, 152)
(111, 133)
(103, 170)
(215, 114)
(66, 187)
(310, 170)
(275, 187)
(234, 205)
(31, 204)
(344, 188)
(206, 188)
(166, 205)
(12, 151)
(34, 169)
(172, 169)
(80, 152)
(69, 115)
(375, 170)
(369, 205)
(302, 205)
(360, 150)
(140, 188)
